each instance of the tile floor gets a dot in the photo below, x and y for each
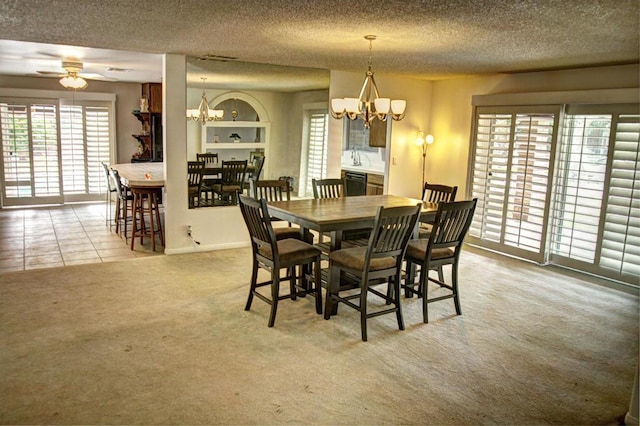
(44, 237)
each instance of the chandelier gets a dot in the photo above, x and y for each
(72, 80)
(366, 106)
(204, 113)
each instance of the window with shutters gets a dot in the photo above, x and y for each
(596, 215)
(316, 152)
(52, 149)
(510, 179)
(567, 195)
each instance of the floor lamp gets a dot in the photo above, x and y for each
(423, 142)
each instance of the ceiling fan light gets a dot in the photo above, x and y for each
(73, 82)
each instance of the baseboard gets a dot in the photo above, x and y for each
(209, 247)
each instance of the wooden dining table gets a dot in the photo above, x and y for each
(336, 215)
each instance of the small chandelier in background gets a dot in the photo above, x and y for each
(204, 113)
(71, 80)
(365, 105)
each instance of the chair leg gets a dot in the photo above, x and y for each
(454, 285)
(254, 280)
(318, 285)
(275, 293)
(441, 275)
(118, 216)
(332, 287)
(396, 300)
(363, 310)
(291, 272)
(409, 279)
(424, 284)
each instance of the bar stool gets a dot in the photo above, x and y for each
(151, 208)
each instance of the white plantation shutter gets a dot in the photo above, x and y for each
(98, 140)
(16, 151)
(511, 165)
(621, 237)
(317, 148)
(73, 148)
(489, 179)
(85, 140)
(52, 149)
(31, 172)
(597, 209)
(580, 185)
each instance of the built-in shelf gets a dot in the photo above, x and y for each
(254, 136)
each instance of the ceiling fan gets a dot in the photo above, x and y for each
(74, 78)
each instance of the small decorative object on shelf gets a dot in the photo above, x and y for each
(144, 105)
(236, 137)
(234, 114)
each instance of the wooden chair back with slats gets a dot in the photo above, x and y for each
(437, 193)
(271, 190)
(210, 158)
(233, 172)
(328, 188)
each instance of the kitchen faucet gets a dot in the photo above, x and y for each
(355, 156)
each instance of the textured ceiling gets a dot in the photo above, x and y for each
(421, 39)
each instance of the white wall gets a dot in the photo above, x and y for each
(451, 115)
(405, 165)
(127, 99)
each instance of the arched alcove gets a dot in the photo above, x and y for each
(248, 107)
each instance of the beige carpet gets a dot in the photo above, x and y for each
(165, 340)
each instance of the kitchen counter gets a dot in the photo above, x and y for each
(360, 169)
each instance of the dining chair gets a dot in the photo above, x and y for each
(194, 182)
(378, 263)
(273, 255)
(124, 204)
(443, 247)
(111, 190)
(254, 175)
(335, 188)
(435, 193)
(277, 190)
(328, 188)
(233, 173)
(210, 161)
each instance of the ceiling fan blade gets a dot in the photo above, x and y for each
(95, 76)
(51, 73)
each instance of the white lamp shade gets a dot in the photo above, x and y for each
(352, 105)
(337, 105)
(429, 139)
(216, 113)
(71, 82)
(382, 105)
(398, 106)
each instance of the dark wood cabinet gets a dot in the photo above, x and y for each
(153, 93)
(150, 138)
(375, 184)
